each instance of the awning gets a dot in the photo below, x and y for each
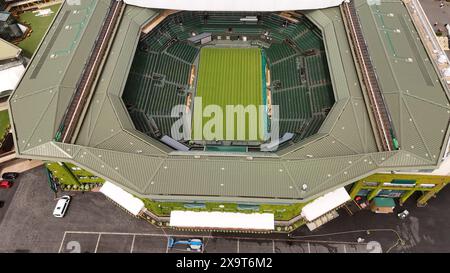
(8, 50)
(222, 220)
(325, 203)
(124, 199)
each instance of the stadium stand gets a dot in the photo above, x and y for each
(159, 76)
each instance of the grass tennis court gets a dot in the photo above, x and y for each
(229, 76)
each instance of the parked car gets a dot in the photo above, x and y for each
(195, 245)
(61, 206)
(5, 184)
(10, 176)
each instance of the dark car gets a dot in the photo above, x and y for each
(10, 176)
(2, 203)
(5, 184)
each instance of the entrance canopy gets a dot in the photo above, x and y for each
(222, 220)
(325, 203)
(124, 199)
(236, 5)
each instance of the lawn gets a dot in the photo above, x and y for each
(39, 25)
(4, 123)
(228, 76)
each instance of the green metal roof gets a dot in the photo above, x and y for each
(343, 151)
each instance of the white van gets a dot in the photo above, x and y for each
(61, 206)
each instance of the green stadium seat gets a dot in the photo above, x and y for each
(183, 51)
(279, 51)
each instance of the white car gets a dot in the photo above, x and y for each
(61, 206)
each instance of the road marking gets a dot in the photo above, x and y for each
(273, 246)
(309, 248)
(62, 242)
(132, 244)
(238, 246)
(345, 249)
(167, 246)
(98, 241)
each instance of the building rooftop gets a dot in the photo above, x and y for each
(343, 151)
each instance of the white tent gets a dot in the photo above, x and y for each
(222, 220)
(236, 5)
(124, 199)
(10, 77)
(324, 204)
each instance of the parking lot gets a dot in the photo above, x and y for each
(94, 224)
(110, 242)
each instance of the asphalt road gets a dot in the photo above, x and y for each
(94, 224)
(424, 230)
(29, 226)
(6, 196)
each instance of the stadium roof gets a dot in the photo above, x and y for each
(236, 5)
(343, 150)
